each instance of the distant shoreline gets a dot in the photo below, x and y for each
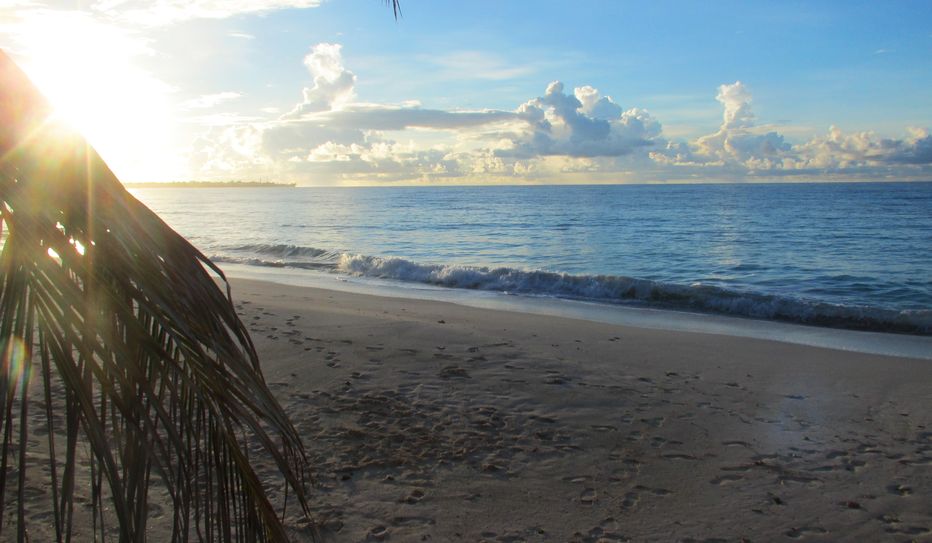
(207, 185)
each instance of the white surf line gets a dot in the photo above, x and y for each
(661, 319)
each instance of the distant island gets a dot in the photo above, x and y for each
(208, 185)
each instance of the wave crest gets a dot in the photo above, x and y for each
(597, 288)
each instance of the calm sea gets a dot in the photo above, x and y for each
(847, 255)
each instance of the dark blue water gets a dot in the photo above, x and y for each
(853, 255)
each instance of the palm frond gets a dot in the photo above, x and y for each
(396, 7)
(114, 333)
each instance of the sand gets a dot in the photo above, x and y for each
(428, 421)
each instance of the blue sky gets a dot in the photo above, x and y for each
(460, 92)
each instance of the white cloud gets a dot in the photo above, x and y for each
(161, 12)
(595, 105)
(583, 124)
(744, 149)
(840, 151)
(736, 100)
(210, 100)
(333, 84)
(582, 135)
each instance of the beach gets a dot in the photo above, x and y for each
(432, 421)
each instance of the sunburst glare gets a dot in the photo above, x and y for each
(90, 73)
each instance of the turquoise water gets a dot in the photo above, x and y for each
(848, 255)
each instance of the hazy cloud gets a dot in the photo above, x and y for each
(210, 100)
(477, 65)
(159, 12)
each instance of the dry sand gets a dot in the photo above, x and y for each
(428, 421)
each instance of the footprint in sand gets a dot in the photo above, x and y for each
(655, 422)
(631, 500)
(379, 533)
(678, 456)
(412, 521)
(453, 372)
(588, 496)
(603, 428)
(725, 479)
(415, 496)
(797, 533)
(654, 491)
(899, 490)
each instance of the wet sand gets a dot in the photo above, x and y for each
(428, 421)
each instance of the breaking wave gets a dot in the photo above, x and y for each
(598, 288)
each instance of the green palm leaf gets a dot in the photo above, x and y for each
(114, 334)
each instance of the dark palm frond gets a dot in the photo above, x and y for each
(396, 7)
(114, 333)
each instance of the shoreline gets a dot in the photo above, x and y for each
(432, 421)
(882, 343)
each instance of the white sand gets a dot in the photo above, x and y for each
(428, 421)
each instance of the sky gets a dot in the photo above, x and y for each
(337, 92)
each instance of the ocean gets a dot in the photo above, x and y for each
(845, 255)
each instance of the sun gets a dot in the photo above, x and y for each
(89, 71)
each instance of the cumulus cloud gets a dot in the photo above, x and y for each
(741, 147)
(738, 142)
(582, 124)
(840, 151)
(561, 135)
(333, 83)
(736, 100)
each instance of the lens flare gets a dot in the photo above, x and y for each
(14, 359)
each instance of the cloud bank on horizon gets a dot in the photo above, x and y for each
(559, 136)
